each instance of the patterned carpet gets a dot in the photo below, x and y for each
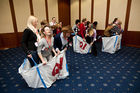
(106, 73)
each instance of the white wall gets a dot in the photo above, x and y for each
(74, 11)
(100, 13)
(22, 12)
(86, 9)
(39, 10)
(118, 9)
(134, 21)
(6, 25)
(53, 9)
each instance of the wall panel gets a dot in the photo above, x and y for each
(6, 24)
(134, 20)
(53, 9)
(133, 39)
(86, 9)
(22, 12)
(74, 11)
(118, 9)
(64, 11)
(39, 10)
(8, 40)
(100, 13)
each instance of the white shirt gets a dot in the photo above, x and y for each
(51, 23)
(95, 34)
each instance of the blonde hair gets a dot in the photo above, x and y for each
(30, 21)
(91, 32)
(67, 29)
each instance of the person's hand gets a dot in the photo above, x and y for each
(84, 39)
(70, 44)
(65, 48)
(91, 43)
(30, 56)
(117, 33)
(58, 52)
(44, 63)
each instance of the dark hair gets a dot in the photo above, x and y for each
(67, 29)
(95, 23)
(115, 19)
(88, 22)
(77, 21)
(44, 22)
(53, 18)
(42, 30)
(84, 19)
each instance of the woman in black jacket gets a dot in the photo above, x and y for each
(30, 40)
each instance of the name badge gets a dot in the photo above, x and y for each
(36, 44)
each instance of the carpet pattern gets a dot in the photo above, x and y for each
(106, 73)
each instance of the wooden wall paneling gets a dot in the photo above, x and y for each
(124, 37)
(92, 5)
(107, 12)
(133, 39)
(46, 6)
(1, 42)
(64, 12)
(14, 24)
(20, 37)
(69, 13)
(8, 40)
(31, 7)
(80, 10)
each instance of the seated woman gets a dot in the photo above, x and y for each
(107, 30)
(90, 39)
(61, 39)
(45, 46)
(114, 28)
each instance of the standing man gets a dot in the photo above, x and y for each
(53, 22)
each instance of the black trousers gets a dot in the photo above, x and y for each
(35, 57)
(93, 47)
